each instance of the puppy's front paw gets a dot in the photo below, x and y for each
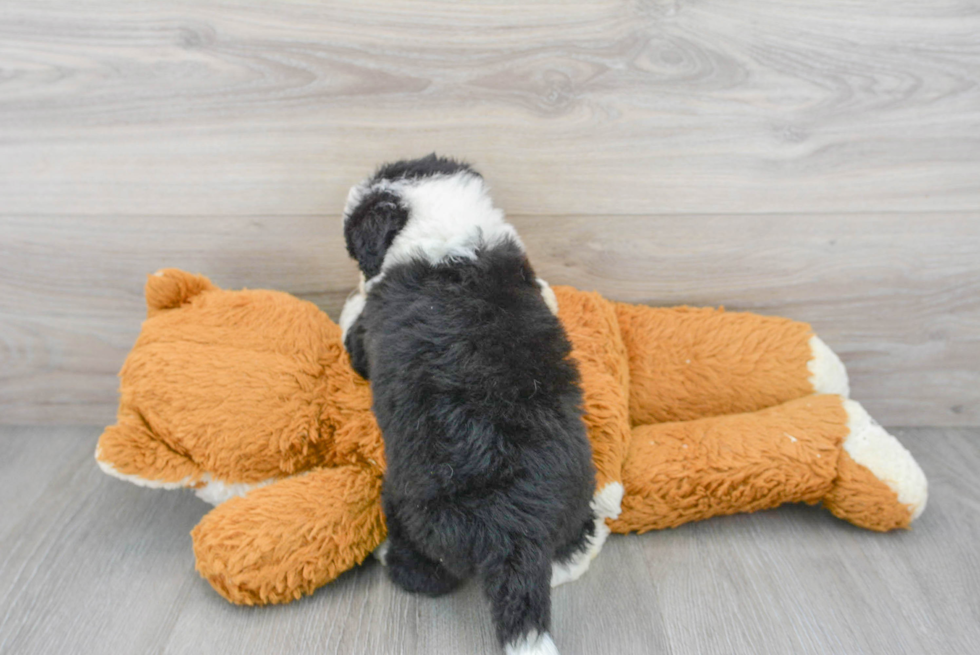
(352, 309)
(549, 296)
(381, 553)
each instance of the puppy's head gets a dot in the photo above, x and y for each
(434, 208)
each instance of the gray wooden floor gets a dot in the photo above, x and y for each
(92, 565)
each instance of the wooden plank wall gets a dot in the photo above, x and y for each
(815, 160)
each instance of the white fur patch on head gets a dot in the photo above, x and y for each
(532, 644)
(827, 372)
(449, 217)
(871, 446)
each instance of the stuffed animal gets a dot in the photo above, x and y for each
(248, 398)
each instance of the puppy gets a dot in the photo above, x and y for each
(489, 470)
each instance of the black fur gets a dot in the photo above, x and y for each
(489, 467)
(373, 224)
(426, 166)
(371, 227)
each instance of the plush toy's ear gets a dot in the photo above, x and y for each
(171, 287)
(282, 541)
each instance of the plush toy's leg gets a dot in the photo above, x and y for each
(817, 448)
(688, 363)
(283, 541)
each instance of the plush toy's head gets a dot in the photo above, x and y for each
(226, 391)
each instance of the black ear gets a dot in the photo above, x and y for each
(371, 227)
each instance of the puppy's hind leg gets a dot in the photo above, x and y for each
(410, 569)
(573, 559)
(520, 596)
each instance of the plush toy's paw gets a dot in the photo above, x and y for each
(880, 486)
(869, 445)
(130, 451)
(827, 372)
(284, 541)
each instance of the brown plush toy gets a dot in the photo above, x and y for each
(248, 398)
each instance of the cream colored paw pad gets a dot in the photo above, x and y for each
(871, 446)
(827, 372)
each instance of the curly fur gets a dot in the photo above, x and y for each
(489, 468)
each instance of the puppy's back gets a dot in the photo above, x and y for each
(489, 467)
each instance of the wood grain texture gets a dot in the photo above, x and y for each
(898, 296)
(581, 107)
(89, 564)
(71, 294)
(816, 160)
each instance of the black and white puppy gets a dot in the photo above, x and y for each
(489, 468)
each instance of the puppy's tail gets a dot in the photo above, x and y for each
(533, 643)
(519, 589)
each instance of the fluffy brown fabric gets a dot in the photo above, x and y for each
(864, 500)
(591, 324)
(287, 539)
(688, 363)
(697, 412)
(730, 464)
